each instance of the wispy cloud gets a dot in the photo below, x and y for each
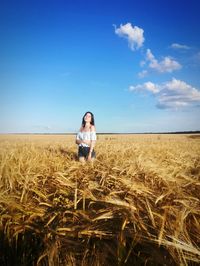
(196, 58)
(143, 74)
(179, 46)
(174, 94)
(167, 64)
(42, 127)
(147, 86)
(133, 34)
(135, 37)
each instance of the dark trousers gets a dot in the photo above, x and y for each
(84, 151)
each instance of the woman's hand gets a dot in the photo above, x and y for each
(89, 158)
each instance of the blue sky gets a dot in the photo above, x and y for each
(134, 64)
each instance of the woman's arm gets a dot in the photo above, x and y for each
(92, 142)
(89, 158)
(80, 141)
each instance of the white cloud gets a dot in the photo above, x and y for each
(149, 55)
(173, 94)
(42, 127)
(142, 63)
(179, 46)
(143, 74)
(134, 35)
(147, 86)
(168, 64)
(196, 58)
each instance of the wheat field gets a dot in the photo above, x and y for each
(138, 203)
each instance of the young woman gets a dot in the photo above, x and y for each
(86, 138)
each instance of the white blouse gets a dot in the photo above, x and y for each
(86, 135)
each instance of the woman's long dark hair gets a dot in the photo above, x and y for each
(92, 119)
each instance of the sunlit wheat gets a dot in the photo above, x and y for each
(138, 203)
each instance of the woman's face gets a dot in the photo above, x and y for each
(88, 117)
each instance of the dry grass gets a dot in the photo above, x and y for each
(137, 204)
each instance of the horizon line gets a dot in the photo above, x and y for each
(103, 133)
